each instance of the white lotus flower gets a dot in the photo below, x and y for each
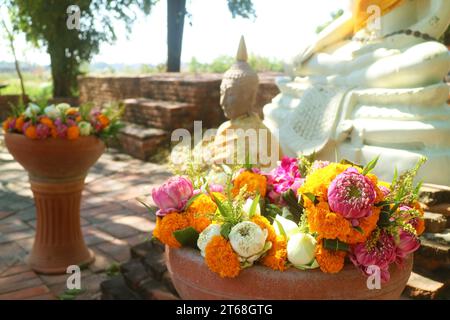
(247, 239)
(301, 249)
(248, 204)
(52, 112)
(63, 107)
(85, 128)
(32, 110)
(206, 235)
(217, 178)
(289, 226)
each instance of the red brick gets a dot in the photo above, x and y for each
(25, 293)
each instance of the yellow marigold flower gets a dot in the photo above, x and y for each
(329, 261)
(263, 223)
(277, 255)
(255, 183)
(167, 225)
(220, 258)
(318, 182)
(201, 212)
(326, 223)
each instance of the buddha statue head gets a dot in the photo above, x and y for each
(239, 86)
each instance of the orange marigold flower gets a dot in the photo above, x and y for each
(220, 258)
(255, 183)
(73, 132)
(326, 223)
(103, 120)
(47, 121)
(276, 257)
(71, 111)
(5, 124)
(166, 226)
(20, 121)
(200, 212)
(30, 132)
(379, 193)
(317, 183)
(329, 261)
(420, 227)
(366, 226)
(263, 223)
(78, 119)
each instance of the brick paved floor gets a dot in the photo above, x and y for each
(112, 221)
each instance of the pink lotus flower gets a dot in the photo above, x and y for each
(172, 195)
(61, 128)
(284, 177)
(352, 195)
(407, 243)
(381, 255)
(216, 188)
(385, 190)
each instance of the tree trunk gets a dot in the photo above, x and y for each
(62, 75)
(176, 10)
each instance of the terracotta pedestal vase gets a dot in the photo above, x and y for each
(57, 169)
(194, 281)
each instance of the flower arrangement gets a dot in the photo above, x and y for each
(303, 214)
(63, 121)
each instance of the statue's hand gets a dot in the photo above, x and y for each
(303, 56)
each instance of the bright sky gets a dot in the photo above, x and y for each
(280, 29)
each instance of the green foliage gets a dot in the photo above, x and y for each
(403, 190)
(44, 24)
(335, 244)
(113, 270)
(223, 63)
(70, 294)
(334, 15)
(243, 8)
(187, 237)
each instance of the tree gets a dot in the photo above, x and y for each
(176, 11)
(45, 24)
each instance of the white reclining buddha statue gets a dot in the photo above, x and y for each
(368, 87)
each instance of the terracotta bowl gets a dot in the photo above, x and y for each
(55, 158)
(194, 281)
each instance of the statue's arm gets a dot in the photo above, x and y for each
(436, 22)
(336, 31)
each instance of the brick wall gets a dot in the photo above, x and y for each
(201, 90)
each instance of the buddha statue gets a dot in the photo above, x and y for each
(372, 84)
(244, 138)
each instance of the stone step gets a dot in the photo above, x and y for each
(166, 115)
(141, 142)
(433, 253)
(421, 287)
(434, 222)
(117, 289)
(432, 194)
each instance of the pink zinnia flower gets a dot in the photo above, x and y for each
(352, 195)
(42, 131)
(284, 177)
(172, 195)
(381, 255)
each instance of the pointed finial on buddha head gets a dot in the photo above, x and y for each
(242, 51)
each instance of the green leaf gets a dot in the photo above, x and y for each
(345, 161)
(280, 227)
(149, 208)
(359, 229)
(187, 237)
(223, 211)
(191, 200)
(335, 244)
(370, 166)
(310, 196)
(225, 230)
(254, 205)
